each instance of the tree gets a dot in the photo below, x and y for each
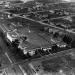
(15, 43)
(73, 44)
(54, 48)
(56, 34)
(67, 39)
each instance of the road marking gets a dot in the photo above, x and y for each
(22, 70)
(5, 72)
(2, 29)
(8, 57)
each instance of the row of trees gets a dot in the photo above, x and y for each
(68, 40)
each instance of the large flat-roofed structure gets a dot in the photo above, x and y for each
(36, 28)
(37, 37)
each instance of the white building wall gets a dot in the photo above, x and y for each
(69, 0)
(26, 0)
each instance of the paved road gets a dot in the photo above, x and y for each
(14, 70)
(10, 67)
